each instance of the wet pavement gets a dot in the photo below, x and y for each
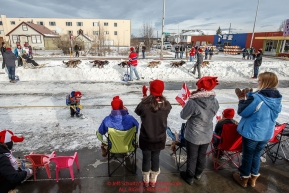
(93, 177)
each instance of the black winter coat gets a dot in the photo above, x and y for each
(258, 60)
(153, 127)
(9, 58)
(9, 177)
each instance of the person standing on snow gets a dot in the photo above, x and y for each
(133, 64)
(18, 52)
(73, 100)
(3, 49)
(76, 49)
(259, 113)
(257, 63)
(192, 54)
(198, 63)
(10, 60)
(143, 49)
(153, 111)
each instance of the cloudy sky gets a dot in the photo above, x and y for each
(206, 15)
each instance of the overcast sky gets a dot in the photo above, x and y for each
(205, 15)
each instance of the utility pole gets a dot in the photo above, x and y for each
(254, 24)
(163, 23)
(230, 29)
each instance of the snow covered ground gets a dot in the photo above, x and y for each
(35, 106)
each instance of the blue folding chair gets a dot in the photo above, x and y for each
(181, 145)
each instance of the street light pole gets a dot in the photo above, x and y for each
(254, 24)
(162, 35)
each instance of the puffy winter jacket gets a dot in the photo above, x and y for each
(199, 113)
(9, 177)
(260, 114)
(258, 60)
(132, 59)
(9, 58)
(193, 51)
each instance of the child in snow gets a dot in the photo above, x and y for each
(118, 119)
(10, 174)
(73, 100)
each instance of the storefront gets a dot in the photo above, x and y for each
(275, 45)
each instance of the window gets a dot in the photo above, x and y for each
(52, 23)
(105, 24)
(1, 23)
(106, 32)
(1, 32)
(95, 33)
(115, 33)
(115, 24)
(12, 22)
(95, 23)
(36, 39)
(40, 22)
(79, 24)
(68, 23)
(15, 39)
(24, 28)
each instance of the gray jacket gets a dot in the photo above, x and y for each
(9, 58)
(199, 58)
(199, 113)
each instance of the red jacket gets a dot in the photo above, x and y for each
(193, 51)
(133, 58)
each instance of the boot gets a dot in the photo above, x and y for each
(198, 175)
(241, 180)
(187, 178)
(153, 178)
(252, 180)
(103, 150)
(146, 178)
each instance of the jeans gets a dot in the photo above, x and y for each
(181, 55)
(251, 156)
(256, 71)
(196, 158)
(191, 58)
(150, 161)
(176, 54)
(133, 69)
(11, 72)
(143, 55)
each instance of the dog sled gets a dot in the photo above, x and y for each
(30, 65)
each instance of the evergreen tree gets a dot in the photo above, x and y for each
(219, 31)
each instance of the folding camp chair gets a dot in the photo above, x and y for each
(123, 143)
(180, 151)
(275, 140)
(230, 146)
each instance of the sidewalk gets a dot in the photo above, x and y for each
(93, 178)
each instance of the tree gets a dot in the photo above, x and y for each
(147, 33)
(63, 43)
(219, 31)
(282, 25)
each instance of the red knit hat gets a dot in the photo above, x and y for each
(131, 48)
(8, 136)
(8, 49)
(157, 87)
(200, 50)
(229, 113)
(116, 103)
(207, 83)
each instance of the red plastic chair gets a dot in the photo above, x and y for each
(40, 160)
(66, 162)
(230, 146)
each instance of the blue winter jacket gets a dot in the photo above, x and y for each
(119, 120)
(260, 114)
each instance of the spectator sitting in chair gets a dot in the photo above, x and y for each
(118, 119)
(26, 57)
(228, 115)
(10, 174)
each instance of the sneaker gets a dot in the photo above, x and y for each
(130, 80)
(253, 77)
(13, 81)
(137, 79)
(79, 115)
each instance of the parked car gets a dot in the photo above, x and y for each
(167, 45)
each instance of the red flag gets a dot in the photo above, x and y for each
(183, 95)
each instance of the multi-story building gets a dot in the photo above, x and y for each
(115, 31)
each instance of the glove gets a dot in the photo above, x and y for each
(29, 174)
(240, 93)
(144, 91)
(246, 90)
